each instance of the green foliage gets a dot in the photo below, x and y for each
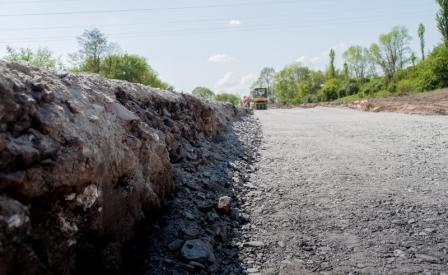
(132, 68)
(346, 71)
(330, 91)
(392, 51)
(293, 83)
(357, 58)
(42, 57)
(203, 92)
(407, 86)
(228, 97)
(93, 46)
(433, 72)
(331, 68)
(442, 20)
(421, 36)
(372, 86)
(266, 80)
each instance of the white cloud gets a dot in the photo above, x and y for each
(233, 83)
(234, 23)
(221, 58)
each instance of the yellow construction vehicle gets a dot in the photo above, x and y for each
(260, 100)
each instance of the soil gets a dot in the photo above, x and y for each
(429, 103)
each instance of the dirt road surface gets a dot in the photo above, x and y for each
(339, 191)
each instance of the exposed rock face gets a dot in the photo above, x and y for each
(83, 160)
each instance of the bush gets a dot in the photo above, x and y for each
(132, 68)
(330, 90)
(203, 92)
(373, 86)
(227, 97)
(438, 65)
(407, 86)
(310, 99)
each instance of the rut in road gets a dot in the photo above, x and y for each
(345, 192)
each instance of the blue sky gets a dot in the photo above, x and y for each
(215, 43)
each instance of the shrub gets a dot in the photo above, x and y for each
(373, 86)
(407, 86)
(227, 97)
(330, 90)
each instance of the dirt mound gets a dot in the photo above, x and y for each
(83, 160)
(431, 103)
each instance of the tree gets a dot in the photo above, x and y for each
(442, 20)
(266, 80)
(392, 51)
(331, 68)
(228, 97)
(42, 57)
(292, 83)
(421, 35)
(413, 59)
(203, 92)
(346, 70)
(132, 68)
(93, 46)
(357, 58)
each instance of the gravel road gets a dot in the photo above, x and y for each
(338, 191)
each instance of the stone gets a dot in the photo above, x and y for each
(212, 216)
(399, 253)
(224, 204)
(175, 245)
(235, 214)
(196, 265)
(190, 231)
(254, 244)
(189, 216)
(427, 258)
(253, 270)
(197, 250)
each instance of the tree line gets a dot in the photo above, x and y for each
(386, 67)
(96, 54)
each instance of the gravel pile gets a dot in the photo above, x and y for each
(200, 232)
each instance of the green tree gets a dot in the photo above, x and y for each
(332, 68)
(42, 57)
(421, 36)
(132, 68)
(291, 83)
(357, 58)
(442, 20)
(392, 51)
(346, 70)
(413, 59)
(228, 97)
(266, 80)
(93, 46)
(203, 92)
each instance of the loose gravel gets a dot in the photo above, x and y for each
(338, 191)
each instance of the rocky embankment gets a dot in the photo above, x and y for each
(201, 230)
(84, 160)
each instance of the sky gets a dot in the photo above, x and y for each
(220, 44)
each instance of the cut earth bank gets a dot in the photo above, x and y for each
(84, 160)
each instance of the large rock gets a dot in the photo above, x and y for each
(197, 250)
(83, 160)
